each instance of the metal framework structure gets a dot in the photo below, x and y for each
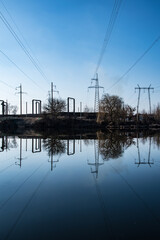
(36, 106)
(4, 143)
(36, 145)
(4, 107)
(68, 101)
(139, 95)
(68, 147)
(97, 87)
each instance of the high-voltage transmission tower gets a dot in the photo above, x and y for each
(97, 87)
(139, 95)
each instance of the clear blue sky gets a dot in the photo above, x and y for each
(66, 36)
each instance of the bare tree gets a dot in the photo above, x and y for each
(55, 106)
(87, 109)
(156, 112)
(112, 109)
(12, 109)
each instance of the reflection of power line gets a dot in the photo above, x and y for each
(26, 206)
(137, 195)
(144, 161)
(3, 170)
(104, 211)
(11, 196)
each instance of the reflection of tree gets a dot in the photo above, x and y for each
(12, 143)
(156, 140)
(88, 142)
(54, 146)
(112, 145)
(8, 143)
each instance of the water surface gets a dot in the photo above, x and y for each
(63, 187)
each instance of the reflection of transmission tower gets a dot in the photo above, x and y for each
(53, 161)
(97, 87)
(20, 155)
(97, 163)
(144, 161)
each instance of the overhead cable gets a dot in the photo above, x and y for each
(19, 69)
(137, 61)
(114, 14)
(8, 85)
(18, 29)
(22, 46)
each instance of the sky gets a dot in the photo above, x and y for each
(66, 38)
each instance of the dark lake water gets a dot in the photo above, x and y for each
(105, 186)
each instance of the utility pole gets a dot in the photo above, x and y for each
(20, 155)
(97, 87)
(20, 93)
(26, 108)
(139, 95)
(52, 92)
(6, 107)
(80, 109)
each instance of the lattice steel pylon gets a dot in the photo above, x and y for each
(97, 87)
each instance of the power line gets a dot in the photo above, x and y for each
(137, 61)
(110, 27)
(22, 45)
(137, 195)
(18, 29)
(8, 85)
(157, 87)
(5, 55)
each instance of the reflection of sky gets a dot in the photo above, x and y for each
(124, 197)
(66, 37)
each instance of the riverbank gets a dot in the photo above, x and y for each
(72, 123)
